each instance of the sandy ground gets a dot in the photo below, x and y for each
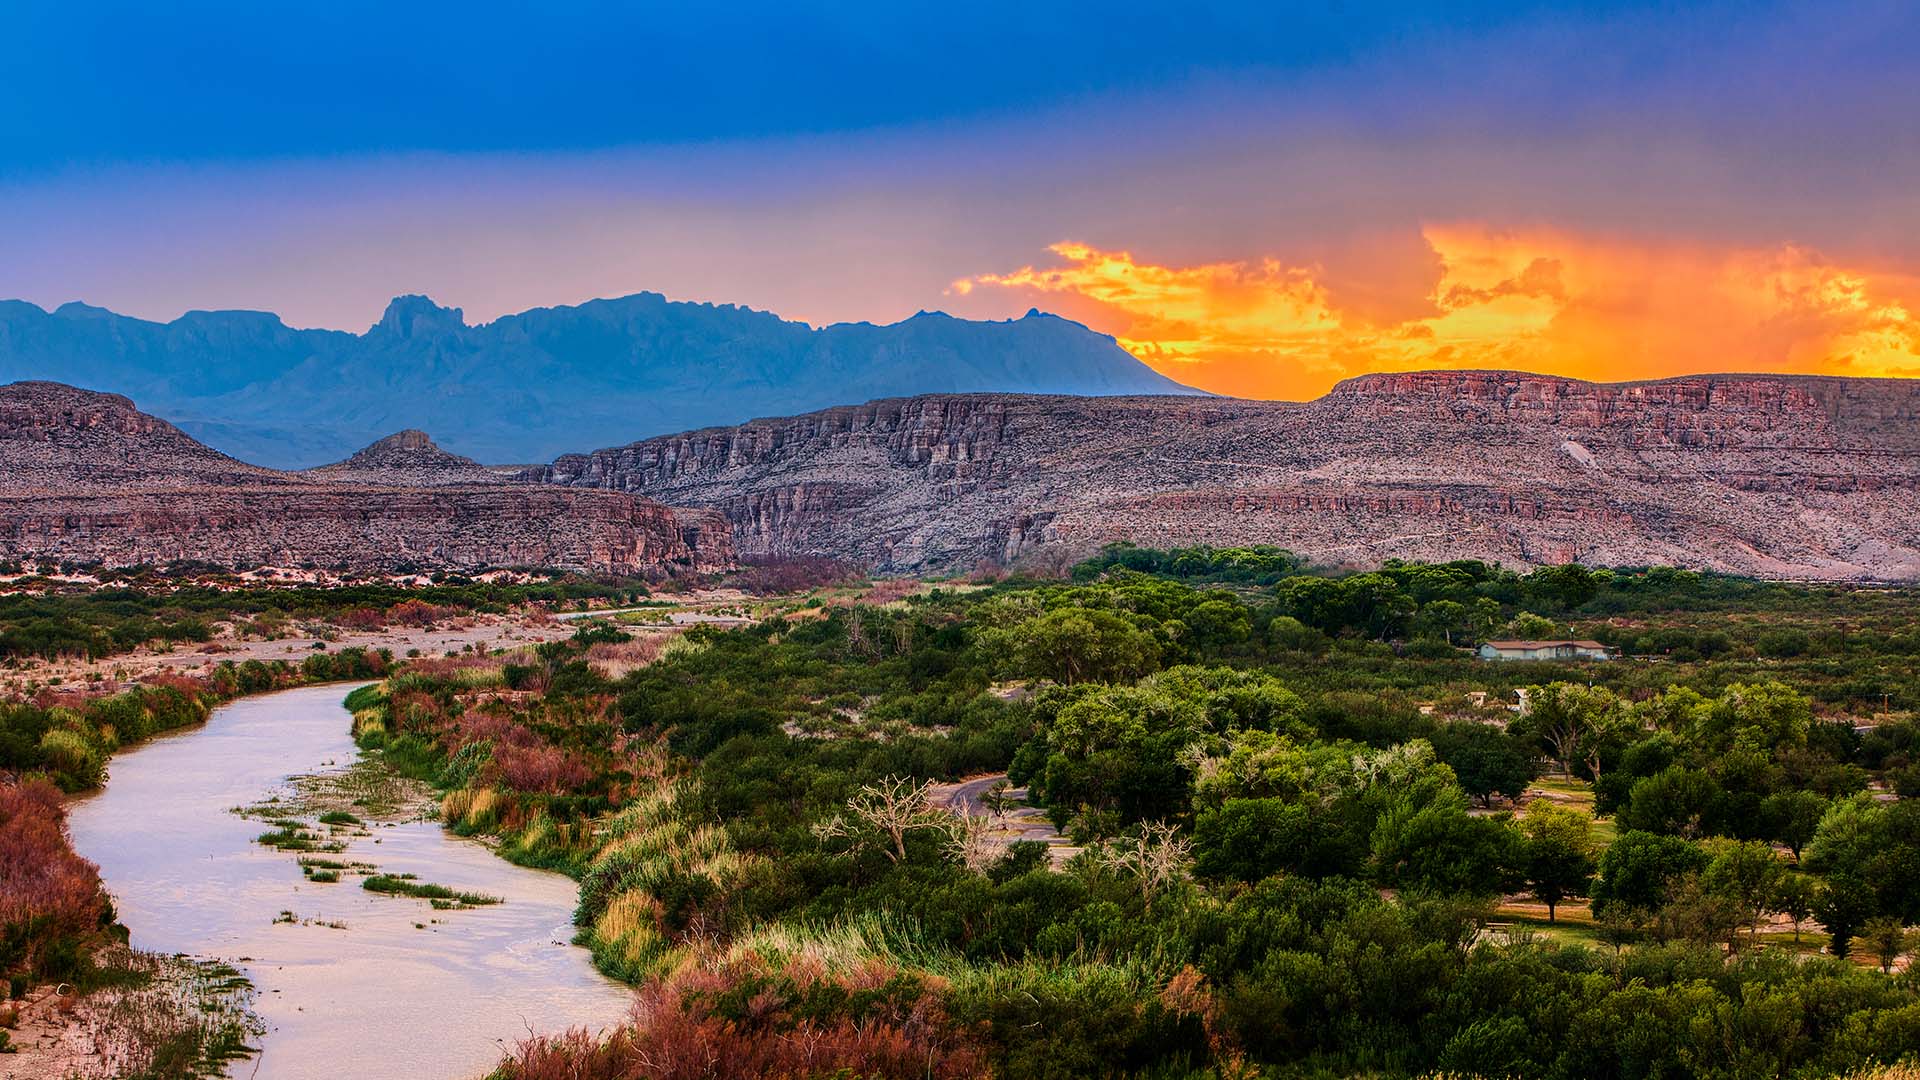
(483, 632)
(47, 1042)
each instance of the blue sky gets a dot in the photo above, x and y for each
(1330, 170)
(118, 82)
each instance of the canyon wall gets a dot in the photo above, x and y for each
(1786, 476)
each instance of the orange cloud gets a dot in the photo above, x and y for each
(1538, 300)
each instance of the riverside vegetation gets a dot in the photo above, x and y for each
(149, 1015)
(1315, 837)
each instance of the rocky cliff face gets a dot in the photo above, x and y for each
(1771, 475)
(91, 479)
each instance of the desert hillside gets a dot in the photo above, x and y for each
(90, 478)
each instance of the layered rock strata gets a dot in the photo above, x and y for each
(1780, 476)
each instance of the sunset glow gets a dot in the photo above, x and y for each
(1526, 299)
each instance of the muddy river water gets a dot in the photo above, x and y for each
(403, 990)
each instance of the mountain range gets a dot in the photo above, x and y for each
(528, 387)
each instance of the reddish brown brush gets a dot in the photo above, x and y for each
(446, 666)
(767, 575)
(491, 724)
(545, 769)
(50, 698)
(415, 711)
(642, 650)
(360, 618)
(419, 613)
(185, 684)
(47, 890)
(890, 590)
(677, 1033)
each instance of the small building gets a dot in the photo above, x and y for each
(1544, 650)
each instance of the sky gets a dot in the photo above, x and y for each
(1255, 199)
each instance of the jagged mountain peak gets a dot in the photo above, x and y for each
(410, 442)
(413, 315)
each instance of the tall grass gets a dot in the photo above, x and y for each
(641, 849)
(679, 645)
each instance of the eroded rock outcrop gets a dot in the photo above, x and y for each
(1791, 476)
(89, 478)
(407, 458)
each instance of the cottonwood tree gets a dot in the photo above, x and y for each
(1528, 626)
(1557, 854)
(1485, 760)
(1575, 723)
(888, 810)
(1792, 817)
(1796, 897)
(1442, 618)
(1074, 645)
(1747, 874)
(1888, 939)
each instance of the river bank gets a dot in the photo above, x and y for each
(349, 982)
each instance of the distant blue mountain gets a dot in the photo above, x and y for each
(531, 386)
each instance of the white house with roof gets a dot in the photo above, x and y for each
(1544, 650)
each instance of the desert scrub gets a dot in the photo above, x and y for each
(293, 919)
(539, 841)
(322, 871)
(439, 896)
(468, 810)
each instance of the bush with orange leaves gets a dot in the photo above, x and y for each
(50, 898)
(745, 1019)
(419, 613)
(542, 769)
(359, 618)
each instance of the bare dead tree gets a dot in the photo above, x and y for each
(974, 840)
(1156, 857)
(891, 809)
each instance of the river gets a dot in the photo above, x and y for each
(403, 990)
